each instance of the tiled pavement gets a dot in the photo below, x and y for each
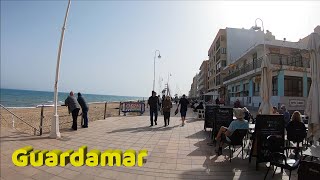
(175, 152)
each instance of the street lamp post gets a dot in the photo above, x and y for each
(154, 66)
(168, 92)
(55, 132)
(257, 28)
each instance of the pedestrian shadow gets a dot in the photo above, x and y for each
(143, 129)
(200, 135)
(22, 138)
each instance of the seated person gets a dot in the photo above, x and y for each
(275, 110)
(200, 106)
(296, 129)
(238, 123)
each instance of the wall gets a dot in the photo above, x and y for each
(239, 41)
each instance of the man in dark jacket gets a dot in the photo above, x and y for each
(153, 102)
(85, 110)
(184, 107)
(73, 107)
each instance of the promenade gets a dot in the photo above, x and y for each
(174, 152)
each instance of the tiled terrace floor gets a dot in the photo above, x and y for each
(175, 152)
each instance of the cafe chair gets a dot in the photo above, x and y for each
(296, 132)
(236, 140)
(308, 170)
(200, 114)
(277, 158)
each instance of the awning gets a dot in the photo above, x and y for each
(212, 94)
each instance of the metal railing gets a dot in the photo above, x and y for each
(45, 117)
(35, 130)
(247, 68)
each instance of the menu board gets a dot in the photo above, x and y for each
(223, 117)
(209, 116)
(267, 125)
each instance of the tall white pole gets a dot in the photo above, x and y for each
(264, 43)
(55, 132)
(154, 70)
(154, 67)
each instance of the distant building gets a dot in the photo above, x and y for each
(228, 45)
(291, 74)
(194, 87)
(203, 78)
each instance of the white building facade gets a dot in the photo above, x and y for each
(291, 75)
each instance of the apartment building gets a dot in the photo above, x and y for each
(194, 87)
(203, 78)
(291, 74)
(228, 45)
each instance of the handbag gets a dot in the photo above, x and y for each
(176, 112)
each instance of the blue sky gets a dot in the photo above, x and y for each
(109, 46)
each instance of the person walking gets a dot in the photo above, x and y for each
(74, 108)
(286, 114)
(153, 102)
(217, 101)
(84, 108)
(159, 104)
(166, 108)
(184, 108)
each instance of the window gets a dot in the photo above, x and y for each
(218, 80)
(218, 55)
(256, 89)
(223, 50)
(295, 61)
(274, 86)
(274, 58)
(223, 63)
(293, 86)
(245, 89)
(308, 85)
(218, 67)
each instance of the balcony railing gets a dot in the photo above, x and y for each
(247, 68)
(289, 61)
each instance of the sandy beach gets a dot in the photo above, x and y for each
(33, 116)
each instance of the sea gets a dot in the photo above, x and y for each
(14, 98)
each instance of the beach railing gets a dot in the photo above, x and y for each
(13, 115)
(41, 116)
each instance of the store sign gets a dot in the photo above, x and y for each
(296, 103)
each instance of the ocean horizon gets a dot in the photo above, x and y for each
(17, 98)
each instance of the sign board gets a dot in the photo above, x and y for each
(133, 107)
(209, 116)
(266, 125)
(296, 103)
(223, 117)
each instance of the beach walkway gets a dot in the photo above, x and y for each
(174, 152)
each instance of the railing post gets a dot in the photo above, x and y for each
(12, 121)
(120, 108)
(41, 120)
(105, 110)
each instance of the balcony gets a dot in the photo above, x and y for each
(247, 68)
(285, 60)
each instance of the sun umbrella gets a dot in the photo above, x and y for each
(265, 86)
(313, 103)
